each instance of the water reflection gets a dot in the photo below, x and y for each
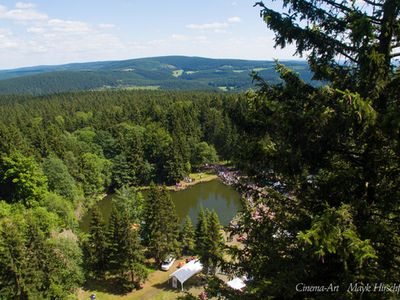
(213, 195)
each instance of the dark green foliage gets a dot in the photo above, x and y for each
(58, 178)
(215, 244)
(87, 144)
(161, 227)
(204, 154)
(112, 139)
(36, 261)
(124, 252)
(337, 221)
(134, 263)
(117, 233)
(202, 235)
(64, 260)
(209, 242)
(157, 145)
(187, 237)
(175, 167)
(129, 200)
(21, 180)
(63, 208)
(96, 247)
(95, 174)
(122, 171)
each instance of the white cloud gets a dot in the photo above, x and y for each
(106, 26)
(35, 30)
(207, 26)
(61, 40)
(33, 38)
(234, 20)
(179, 37)
(220, 31)
(68, 26)
(7, 40)
(36, 47)
(217, 27)
(22, 12)
(24, 5)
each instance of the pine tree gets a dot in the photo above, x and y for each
(187, 237)
(125, 253)
(209, 241)
(135, 257)
(332, 145)
(202, 237)
(161, 223)
(215, 243)
(13, 264)
(149, 213)
(97, 244)
(116, 244)
(130, 200)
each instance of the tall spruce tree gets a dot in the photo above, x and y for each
(125, 252)
(97, 244)
(36, 261)
(215, 243)
(209, 242)
(334, 146)
(161, 227)
(201, 232)
(187, 237)
(116, 249)
(135, 257)
(203, 238)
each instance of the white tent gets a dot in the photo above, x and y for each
(236, 283)
(188, 270)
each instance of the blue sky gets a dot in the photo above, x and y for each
(64, 31)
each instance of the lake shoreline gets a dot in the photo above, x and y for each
(208, 191)
(184, 184)
(191, 180)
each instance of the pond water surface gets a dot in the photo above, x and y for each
(213, 195)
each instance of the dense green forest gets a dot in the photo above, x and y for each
(59, 154)
(165, 73)
(334, 147)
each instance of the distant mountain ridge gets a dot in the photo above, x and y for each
(165, 72)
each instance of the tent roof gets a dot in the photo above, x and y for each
(236, 283)
(188, 270)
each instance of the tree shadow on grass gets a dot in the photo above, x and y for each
(194, 282)
(109, 286)
(166, 286)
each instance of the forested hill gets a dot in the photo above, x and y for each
(166, 73)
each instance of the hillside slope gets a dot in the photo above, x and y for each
(168, 72)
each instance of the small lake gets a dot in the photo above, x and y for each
(213, 195)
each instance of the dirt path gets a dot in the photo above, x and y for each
(156, 287)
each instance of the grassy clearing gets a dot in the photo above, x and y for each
(197, 178)
(156, 287)
(202, 176)
(259, 69)
(177, 73)
(141, 87)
